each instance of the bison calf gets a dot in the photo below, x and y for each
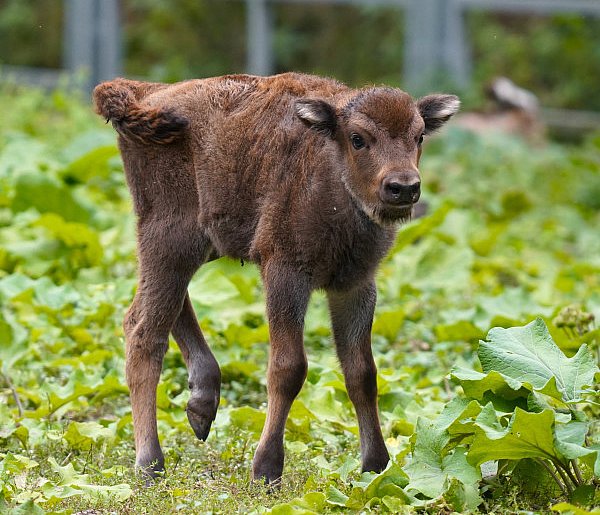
(302, 175)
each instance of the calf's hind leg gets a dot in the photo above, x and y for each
(203, 371)
(165, 269)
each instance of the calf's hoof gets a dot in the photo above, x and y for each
(267, 467)
(201, 413)
(150, 469)
(376, 463)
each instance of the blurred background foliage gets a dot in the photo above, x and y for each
(19, 44)
(557, 57)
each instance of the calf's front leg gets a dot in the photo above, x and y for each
(287, 297)
(351, 319)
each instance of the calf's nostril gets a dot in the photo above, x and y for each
(416, 191)
(394, 188)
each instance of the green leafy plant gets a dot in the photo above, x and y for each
(529, 401)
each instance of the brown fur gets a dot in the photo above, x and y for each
(266, 170)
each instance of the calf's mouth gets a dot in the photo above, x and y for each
(388, 214)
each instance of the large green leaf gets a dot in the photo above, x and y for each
(14, 464)
(475, 384)
(372, 489)
(389, 483)
(529, 355)
(431, 468)
(72, 483)
(212, 287)
(458, 417)
(83, 435)
(571, 443)
(311, 503)
(528, 435)
(519, 360)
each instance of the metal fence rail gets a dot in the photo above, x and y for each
(435, 38)
(457, 60)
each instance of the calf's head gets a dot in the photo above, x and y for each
(380, 132)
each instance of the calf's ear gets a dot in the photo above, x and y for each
(436, 110)
(318, 115)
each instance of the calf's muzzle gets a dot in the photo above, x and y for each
(400, 188)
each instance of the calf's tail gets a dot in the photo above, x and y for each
(117, 101)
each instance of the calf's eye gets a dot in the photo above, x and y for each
(421, 139)
(357, 141)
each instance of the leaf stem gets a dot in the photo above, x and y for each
(88, 457)
(571, 475)
(577, 472)
(553, 474)
(447, 388)
(15, 395)
(560, 469)
(66, 460)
